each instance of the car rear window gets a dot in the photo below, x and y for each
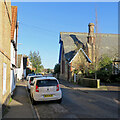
(43, 83)
(31, 79)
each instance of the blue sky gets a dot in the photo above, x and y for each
(41, 23)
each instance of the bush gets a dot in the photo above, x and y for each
(115, 78)
(104, 75)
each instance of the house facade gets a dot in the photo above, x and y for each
(84, 48)
(27, 66)
(116, 67)
(14, 33)
(19, 69)
(5, 55)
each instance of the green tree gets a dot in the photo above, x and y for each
(36, 61)
(105, 69)
(48, 70)
(104, 61)
(57, 68)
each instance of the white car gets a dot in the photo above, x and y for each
(30, 80)
(45, 89)
(29, 76)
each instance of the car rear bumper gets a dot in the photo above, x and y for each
(41, 97)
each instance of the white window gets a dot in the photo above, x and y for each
(4, 78)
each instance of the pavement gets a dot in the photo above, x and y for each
(103, 86)
(20, 106)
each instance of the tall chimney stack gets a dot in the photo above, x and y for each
(91, 42)
(91, 37)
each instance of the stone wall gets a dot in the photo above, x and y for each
(88, 82)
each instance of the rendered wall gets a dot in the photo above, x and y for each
(5, 37)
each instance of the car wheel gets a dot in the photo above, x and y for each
(59, 101)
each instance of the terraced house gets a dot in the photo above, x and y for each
(5, 55)
(14, 33)
(82, 49)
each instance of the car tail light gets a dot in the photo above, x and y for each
(37, 89)
(30, 82)
(57, 89)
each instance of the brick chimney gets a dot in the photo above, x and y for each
(91, 36)
(91, 42)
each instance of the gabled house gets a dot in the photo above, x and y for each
(88, 45)
(14, 34)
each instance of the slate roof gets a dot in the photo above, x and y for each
(70, 42)
(14, 20)
(108, 43)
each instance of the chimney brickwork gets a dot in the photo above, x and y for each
(91, 42)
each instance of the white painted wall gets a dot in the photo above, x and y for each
(12, 54)
(24, 72)
(20, 70)
(13, 69)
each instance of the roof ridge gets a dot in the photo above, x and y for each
(74, 32)
(14, 6)
(87, 33)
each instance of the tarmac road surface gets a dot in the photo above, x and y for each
(79, 104)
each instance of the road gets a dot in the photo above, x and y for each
(80, 104)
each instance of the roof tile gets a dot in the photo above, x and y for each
(14, 21)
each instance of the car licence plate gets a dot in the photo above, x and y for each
(48, 95)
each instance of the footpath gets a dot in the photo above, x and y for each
(111, 91)
(103, 87)
(20, 105)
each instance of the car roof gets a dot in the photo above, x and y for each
(36, 76)
(44, 78)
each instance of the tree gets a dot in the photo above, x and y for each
(36, 61)
(48, 70)
(105, 68)
(57, 68)
(104, 61)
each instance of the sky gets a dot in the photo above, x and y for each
(40, 24)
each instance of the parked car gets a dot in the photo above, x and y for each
(45, 89)
(30, 75)
(30, 80)
(38, 74)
